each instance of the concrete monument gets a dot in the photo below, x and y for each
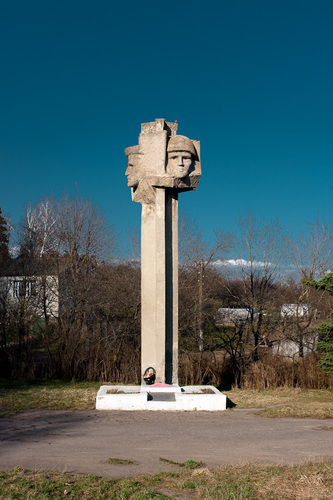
(161, 166)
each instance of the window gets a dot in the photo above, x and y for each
(25, 288)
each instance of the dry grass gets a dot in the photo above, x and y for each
(306, 481)
(293, 403)
(314, 410)
(18, 396)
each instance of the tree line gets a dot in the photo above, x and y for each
(68, 253)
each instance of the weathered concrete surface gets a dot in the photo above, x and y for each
(161, 397)
(159, 287)
(83, 441)
(162, 165)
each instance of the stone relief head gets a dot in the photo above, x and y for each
(181, 154)
(162, 159)
(135, 167)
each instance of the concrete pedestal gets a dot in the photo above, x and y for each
(160, 397)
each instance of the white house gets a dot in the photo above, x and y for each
(40, 292)
(295, 310)
(230, 316)
(293, 348)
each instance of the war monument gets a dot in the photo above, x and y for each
(161, 166)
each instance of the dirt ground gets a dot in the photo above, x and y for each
(83, 441)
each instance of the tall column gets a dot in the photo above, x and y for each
(162, 165)
(159, 286)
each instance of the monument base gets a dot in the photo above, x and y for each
(160, 397)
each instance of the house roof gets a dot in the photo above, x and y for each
(28, 267)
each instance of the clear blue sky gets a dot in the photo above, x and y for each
(251, 79)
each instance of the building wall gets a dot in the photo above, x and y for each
(229, 316)
(298, 310)
(39, 292)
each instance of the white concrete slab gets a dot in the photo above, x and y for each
(160, 398)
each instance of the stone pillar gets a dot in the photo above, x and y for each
(161, 166)
(159, 286)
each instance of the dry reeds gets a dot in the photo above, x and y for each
(271, 371)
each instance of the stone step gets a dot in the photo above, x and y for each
(161, 396)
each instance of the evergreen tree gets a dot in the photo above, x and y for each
(4, 239)
(326, 328)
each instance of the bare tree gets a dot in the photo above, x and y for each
(261, 254)
(85, 240)
(84, 229)
(39, 235)
(71, 238)
(197, 273)
(313, 250)
(299, 314)
(311, 257)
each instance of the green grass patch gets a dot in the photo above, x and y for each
(189, 484)
(188, 464)
(120, 461)
(249, 481)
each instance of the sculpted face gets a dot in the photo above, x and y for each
(161, 160)
(134, 170)
(179, 163)
(181, 153)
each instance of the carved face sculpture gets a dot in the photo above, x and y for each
(180, 156)
(134, 171)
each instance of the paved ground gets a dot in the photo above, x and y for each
(84, 441)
